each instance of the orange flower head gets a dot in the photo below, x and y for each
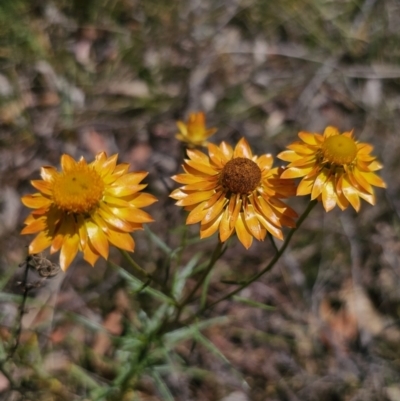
(85, 207)
(233, 191)
(194, 132)
(336, 169)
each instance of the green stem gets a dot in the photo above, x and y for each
(137, 268)
(269, 266)
(218, 251)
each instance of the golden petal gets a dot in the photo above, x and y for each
(202, 167)
(242, 233)
(124, 190)
(365, 157)
(235, 205)
(48, 173)
(67, 162)
(242, 149)
(108, 166)
(360, 177)
(109, 216)
(42, 186)
(370, 198)
(36, 201)
(264, 162)
(99, 160)
(308, 138)
(188, 178)
(198, 156)
(197, 214)
(282, 207)
(364, 149)
(132, 214)
(196, 197)
(90, 254)
(82, 231)
(40, 243)
(121, 240)
(178, 194)
(215, 210)
(304, 161)
(331, 131)
(35, 226)
(319, 183)
(264, 208)
(201, 186)
(114, 201)
(328, 194)
(350, 193)
(275, 231)
(301, 148)
(130, 179)
(142, 200)
(225, 231)
(373, 179)
(289, 156)
(305, 187)
(182, 127)
(341, 200)
(97, 238)
(295, 172)
(252, 223)
(69, 250)
(227, 150)
(206, 230)
(374, 166)
(216, 155)
(192, 171)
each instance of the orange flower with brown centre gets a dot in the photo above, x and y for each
(233, 191)
(336, 169)
(85, 207)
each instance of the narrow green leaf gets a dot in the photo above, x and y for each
(183, 274)
(139, 286)
(161, 386)
(157, 240)
(252, 303)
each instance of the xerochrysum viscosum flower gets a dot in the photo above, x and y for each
(233, 191)
(85, 207)
(335, 168)
(194, 131)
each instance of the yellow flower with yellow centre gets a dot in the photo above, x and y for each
(194, 132)
(85, 207)
(233, 191)
(336, 169)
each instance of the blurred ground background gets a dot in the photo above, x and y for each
(79, 77)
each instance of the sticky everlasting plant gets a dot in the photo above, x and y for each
(228, 191)
(335, 168)
(233, 191)
(85, 207)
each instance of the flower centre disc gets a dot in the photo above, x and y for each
(339, 149)
(78, 190)
(240, 175)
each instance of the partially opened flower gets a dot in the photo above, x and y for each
(194, 132)
(336, 169)
(233, 191)
(85, 207)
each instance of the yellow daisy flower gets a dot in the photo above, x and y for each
(336, 169)
(233, 191)
(194, 132)
(86, 207)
